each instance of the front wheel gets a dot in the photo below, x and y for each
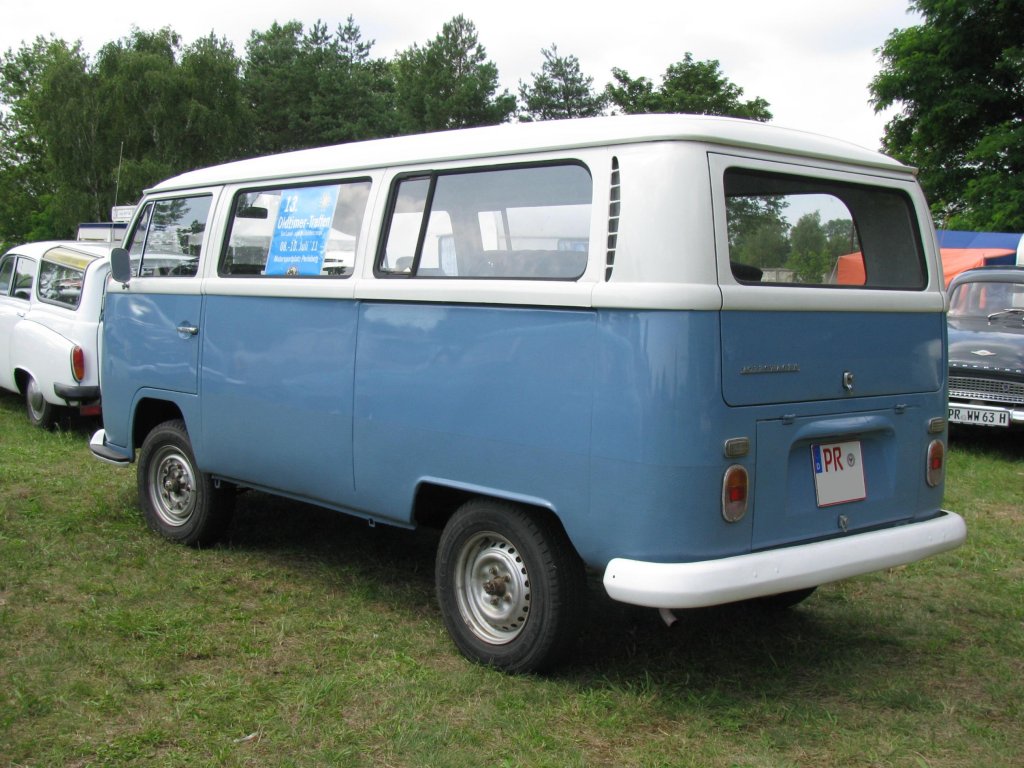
(40, 413)
(178, 501)
(510, 586)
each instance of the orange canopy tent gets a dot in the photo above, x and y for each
(850, 270)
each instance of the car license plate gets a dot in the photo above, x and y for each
(961, 414)
(838, 472)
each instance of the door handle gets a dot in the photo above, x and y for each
(187, 330)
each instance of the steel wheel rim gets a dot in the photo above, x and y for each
(35, 400)
(493, 588)
(172, 487)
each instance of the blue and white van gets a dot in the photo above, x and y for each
(619, 345)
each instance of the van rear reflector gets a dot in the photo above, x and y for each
(735, 492)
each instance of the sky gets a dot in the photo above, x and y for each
(812, 60)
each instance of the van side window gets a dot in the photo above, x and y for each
(306, 231)
(802, 231)
(513, 223)
(168, 237)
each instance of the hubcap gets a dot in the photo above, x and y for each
(36, 403)
(172, 487)
(493, 589)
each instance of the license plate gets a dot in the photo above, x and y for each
(961, 414)
(838, 472)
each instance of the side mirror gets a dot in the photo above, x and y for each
(120, 265)
(252, 212)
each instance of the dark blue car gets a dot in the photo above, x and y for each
(986, 347)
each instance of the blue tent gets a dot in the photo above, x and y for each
(951, 238)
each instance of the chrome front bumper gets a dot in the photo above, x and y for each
(103, 452)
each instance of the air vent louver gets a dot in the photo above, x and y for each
(613, 220)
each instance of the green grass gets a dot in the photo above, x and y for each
(309, 639)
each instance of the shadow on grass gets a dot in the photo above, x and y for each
(998, 443)
(68, 420)
(823, 644)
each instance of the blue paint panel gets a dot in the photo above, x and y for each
(808, 352)
(659, 426)
(142, 349)
(491, 397)
(893, 447)
(277, 394)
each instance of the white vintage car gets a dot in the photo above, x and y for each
(50, 299)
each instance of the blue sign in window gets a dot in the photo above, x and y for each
(302, 230)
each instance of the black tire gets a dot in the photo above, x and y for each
(40, 413)
(178, 501)
(783, 600)
(510, 586)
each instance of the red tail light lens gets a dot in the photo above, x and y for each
(735, 492)
(78, 363)
(936, 469)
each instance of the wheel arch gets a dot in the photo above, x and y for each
(436, 501)
(21, 376)
(150, 412)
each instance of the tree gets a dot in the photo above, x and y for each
(277, 84)
(312, 88)
(810, 259)
(354, 97)
(71, 120)
(50, 157)
(168, 109)
(689, 87)
(449, 83)
(958, 81)
(842, 237)
(763, 244)
(559, 91)
(217, 119)
(20, 187)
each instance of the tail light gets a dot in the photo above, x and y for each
(78, 363)
(936, 468)
(735, 492)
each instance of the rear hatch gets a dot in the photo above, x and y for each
(840, 402)
(811, 356)
(832, 343)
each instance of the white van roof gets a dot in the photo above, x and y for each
(524, 138)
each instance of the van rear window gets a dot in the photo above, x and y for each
(794, 230)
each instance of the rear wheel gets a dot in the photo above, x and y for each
(178, 501)
(510, 586)
(40, 413)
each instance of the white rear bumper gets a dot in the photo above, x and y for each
(713, 582)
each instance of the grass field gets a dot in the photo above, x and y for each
(309, 639)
